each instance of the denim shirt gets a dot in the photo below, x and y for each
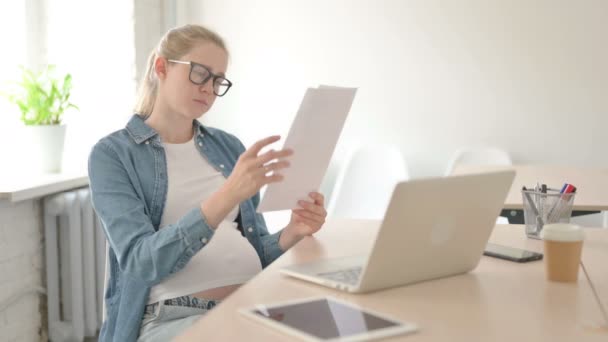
(128, 179)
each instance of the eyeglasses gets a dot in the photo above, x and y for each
(200, 74)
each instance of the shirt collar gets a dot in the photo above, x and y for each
(141, 132)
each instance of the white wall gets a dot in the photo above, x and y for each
(528, 76)
(21, 258)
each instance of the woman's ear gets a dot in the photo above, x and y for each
(160, 68)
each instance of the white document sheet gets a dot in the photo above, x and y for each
(313, 136)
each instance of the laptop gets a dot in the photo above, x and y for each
(432, 228)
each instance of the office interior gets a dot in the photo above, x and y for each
(505, 83)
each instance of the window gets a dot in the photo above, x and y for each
(93, 41)
(13, 38)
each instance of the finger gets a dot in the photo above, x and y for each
(274, 166)
(318, 197)
(311, 224)
(310, 215)
(260, 144)
(272, 154)
(317, 209)
(274, 178)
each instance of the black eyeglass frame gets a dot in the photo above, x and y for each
(206, 79)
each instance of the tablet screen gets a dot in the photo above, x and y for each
(325, 318)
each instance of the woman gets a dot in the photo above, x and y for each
(178, 199)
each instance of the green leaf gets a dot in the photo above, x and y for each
(42, 97)
(67, 84)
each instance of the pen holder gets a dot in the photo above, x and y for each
(542, 208)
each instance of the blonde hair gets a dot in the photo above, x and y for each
(173, 45)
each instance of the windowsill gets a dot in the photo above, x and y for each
(16, 188)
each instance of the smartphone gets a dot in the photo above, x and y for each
(511, 253)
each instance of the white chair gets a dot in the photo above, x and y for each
(478, 156)
(599, 220)
(365, 183)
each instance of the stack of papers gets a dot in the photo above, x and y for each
(313, 136)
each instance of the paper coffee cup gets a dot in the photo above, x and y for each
(563, 244)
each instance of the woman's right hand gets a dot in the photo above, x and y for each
(252, 169)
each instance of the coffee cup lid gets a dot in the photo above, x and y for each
(562, 232)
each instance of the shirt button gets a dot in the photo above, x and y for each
(250, 229)
(200, 143)
(221, 166)
(204, 240)
(148, 142)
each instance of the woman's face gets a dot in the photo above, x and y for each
(185, 97)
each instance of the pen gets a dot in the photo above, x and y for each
(566, 189)
(542, 200)
(537, 199)
(539, 220)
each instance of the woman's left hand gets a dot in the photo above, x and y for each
(306, 220)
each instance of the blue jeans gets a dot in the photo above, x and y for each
(163, 321)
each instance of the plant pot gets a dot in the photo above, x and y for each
(45, 147)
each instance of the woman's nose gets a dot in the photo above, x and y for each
(206, 87)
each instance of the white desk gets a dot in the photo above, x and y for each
(591, 194)
(498, 301)
(592, 184)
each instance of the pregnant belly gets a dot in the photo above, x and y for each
(217, 293)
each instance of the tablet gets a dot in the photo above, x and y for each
(327, 319)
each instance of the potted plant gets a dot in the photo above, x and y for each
(42, 98)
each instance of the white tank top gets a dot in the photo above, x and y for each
(228, 258)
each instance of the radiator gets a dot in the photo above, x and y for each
(75, 266)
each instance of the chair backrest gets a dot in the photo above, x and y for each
(478, 156)
(366, 181)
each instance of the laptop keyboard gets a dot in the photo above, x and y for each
(348, 276)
